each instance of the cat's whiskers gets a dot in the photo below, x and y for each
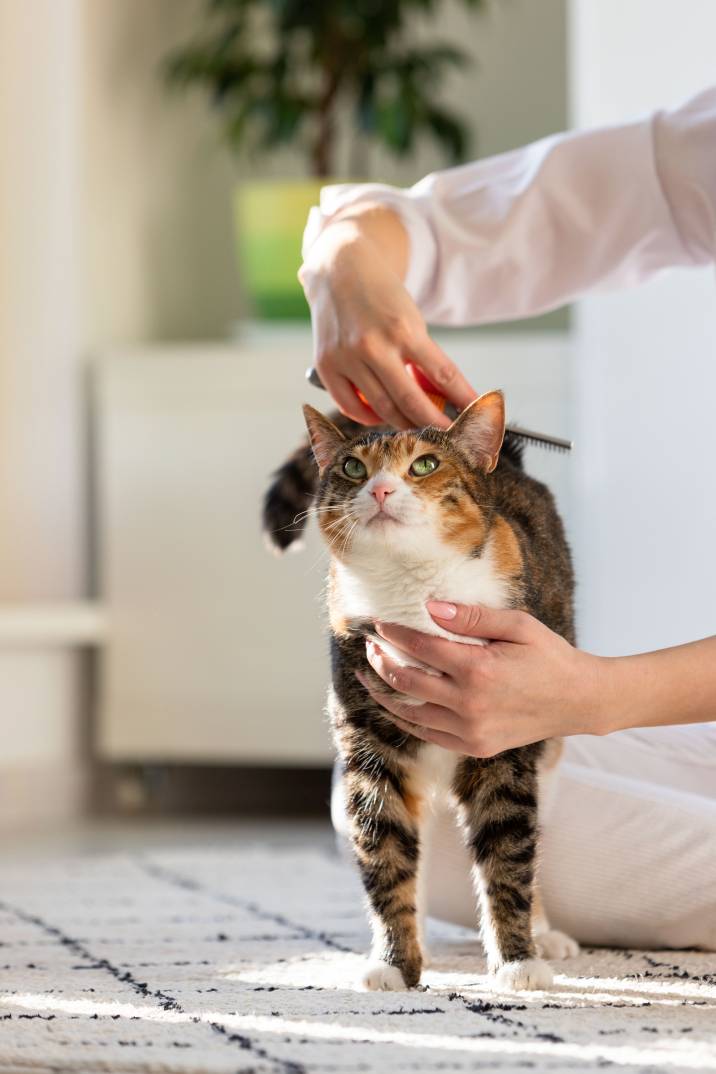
(295, 525)
(342, 534)
(349, 535)
(344, 518)
(341, 525)
(338, 523)
(303, 515)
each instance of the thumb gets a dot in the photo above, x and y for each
(478, 621)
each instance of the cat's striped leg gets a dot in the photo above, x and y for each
(497, 798)
(384, 819)
(550, 943)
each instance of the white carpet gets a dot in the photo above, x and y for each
(219, 961)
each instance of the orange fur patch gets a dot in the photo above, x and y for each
(413, 804)
(462, 525)
(506, 548)
(339, 624)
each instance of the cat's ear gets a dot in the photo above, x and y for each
(480, 429)
(325, 437)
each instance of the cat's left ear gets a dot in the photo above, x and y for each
(480, 429)
(326, 438)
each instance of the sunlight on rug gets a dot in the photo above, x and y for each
(206, 962)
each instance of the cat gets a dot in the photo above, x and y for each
(463, 522)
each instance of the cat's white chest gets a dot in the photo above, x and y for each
(394, 588)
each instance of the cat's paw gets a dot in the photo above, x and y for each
(382, 977)
(529, 974)
(556, 944)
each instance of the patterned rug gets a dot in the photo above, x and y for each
(218, 961)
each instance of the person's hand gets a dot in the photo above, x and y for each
(366, 327)
(526, 685)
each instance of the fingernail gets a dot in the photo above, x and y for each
(442, 609)
(379, 628)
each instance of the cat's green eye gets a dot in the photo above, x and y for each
(354, 468)
(424, 465)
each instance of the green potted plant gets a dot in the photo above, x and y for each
(290, 72)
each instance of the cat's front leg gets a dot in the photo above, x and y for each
(497, 799)
(384, 818)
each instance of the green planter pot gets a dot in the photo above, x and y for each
(270, 217)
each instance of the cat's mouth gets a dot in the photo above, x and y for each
(382, 518)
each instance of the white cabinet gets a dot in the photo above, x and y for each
(216, 650)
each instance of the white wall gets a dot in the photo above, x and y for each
(114, 217)
(157, 182)
(107, 214)
(645, 379)
(41, 553)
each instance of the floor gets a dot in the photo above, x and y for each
(217, 947)
(110, 835)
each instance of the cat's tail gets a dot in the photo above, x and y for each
(288, 500)
(289, 497)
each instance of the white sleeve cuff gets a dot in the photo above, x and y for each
(422, 256)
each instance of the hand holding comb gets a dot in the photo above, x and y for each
(555, 443)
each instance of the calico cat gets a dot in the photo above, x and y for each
(408, 517)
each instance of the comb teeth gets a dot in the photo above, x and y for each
(552, 443)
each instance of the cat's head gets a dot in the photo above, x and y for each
(402, 490)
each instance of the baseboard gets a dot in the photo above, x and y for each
(174, 789)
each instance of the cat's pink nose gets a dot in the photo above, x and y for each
(380, 491)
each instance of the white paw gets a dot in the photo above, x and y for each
(381, 977)
(556, 944)
(528, 974)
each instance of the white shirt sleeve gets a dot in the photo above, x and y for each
(530, 230)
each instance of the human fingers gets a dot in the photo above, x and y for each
(378, 398)
(397, 714)
(405, 393)
(442, 372)
(443, 654)
(411, 681)
(344, 395)
(479, 621)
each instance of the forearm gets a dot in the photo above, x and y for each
(371, 228)
(671, 686)
(526, 231)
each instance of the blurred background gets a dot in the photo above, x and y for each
(157, 159)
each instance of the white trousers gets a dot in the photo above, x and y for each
(628, 853)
